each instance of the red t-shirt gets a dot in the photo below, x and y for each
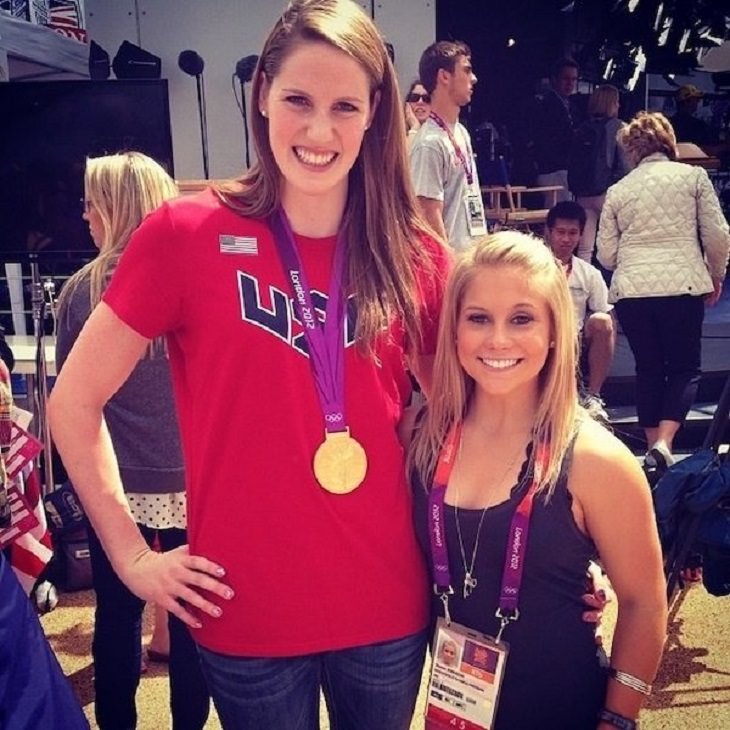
(311, 571)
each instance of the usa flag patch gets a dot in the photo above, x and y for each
(246, 245)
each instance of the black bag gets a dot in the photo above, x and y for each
(589, 172)
(64, 510)
(75, 561)
(70, 567)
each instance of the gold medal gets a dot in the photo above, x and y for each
(340, 463)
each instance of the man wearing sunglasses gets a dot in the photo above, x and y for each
(441, 156)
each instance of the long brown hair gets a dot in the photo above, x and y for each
(381, 216)
(558, 412)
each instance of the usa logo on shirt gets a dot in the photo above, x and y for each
(245, 245)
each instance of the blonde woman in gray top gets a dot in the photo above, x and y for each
(603, 105)
(119, 191)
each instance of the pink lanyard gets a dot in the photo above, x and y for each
(465, 163)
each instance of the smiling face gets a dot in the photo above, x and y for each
(318, 108)
(503, 332)
(563, 238)
(417, 101)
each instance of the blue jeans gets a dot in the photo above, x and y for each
(117, 648)
(366, 688)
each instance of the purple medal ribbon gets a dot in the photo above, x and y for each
(324, 341)
(465, 163)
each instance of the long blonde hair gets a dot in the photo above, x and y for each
(558, 411)
(123, 189)
(381, 215)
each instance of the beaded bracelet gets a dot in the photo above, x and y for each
(630, 681)
(619, 721)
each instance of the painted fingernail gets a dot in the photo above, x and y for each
(228, 593)
(197, 625)
(601, 595)
(217, 611)
(220, 571)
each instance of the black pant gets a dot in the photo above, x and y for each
(117, 648)
(665, 335)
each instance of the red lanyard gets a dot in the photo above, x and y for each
(465, 163)
(518, 532)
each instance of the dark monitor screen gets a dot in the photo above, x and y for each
(47, 130)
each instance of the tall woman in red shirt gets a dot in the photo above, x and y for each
(302, 570)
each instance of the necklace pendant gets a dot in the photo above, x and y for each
(470, 584)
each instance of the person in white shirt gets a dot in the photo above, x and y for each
(443, 168)
(594, 320)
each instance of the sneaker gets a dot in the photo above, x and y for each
(659, 457)
(593, 403)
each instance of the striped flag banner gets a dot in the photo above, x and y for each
(28, 535)
(32, 550)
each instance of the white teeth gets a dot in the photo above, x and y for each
(319, 159)
(499, 364)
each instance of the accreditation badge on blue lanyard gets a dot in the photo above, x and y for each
(468, 666)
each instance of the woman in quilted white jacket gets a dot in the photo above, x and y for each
(663, 233)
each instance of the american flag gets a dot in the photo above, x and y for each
(246, 245)
(67, 18)
(28, 535)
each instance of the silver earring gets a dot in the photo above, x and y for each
(552, 343)
(263, 113)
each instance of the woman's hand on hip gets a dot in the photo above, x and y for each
(175, 580)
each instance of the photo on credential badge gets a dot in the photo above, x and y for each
(466, 676)
(448, 653)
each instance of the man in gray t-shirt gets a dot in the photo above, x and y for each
(441, 157)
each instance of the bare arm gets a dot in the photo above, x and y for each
(101, 360)
(613, 499)
(433, 212)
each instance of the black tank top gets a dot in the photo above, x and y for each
(555, 675)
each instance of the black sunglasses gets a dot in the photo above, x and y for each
(412, 98)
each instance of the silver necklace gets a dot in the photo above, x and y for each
(470, 582)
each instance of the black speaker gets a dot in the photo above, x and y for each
(133, 62)
(98, 62)
(721, 79)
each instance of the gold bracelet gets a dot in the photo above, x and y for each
(630, 681)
